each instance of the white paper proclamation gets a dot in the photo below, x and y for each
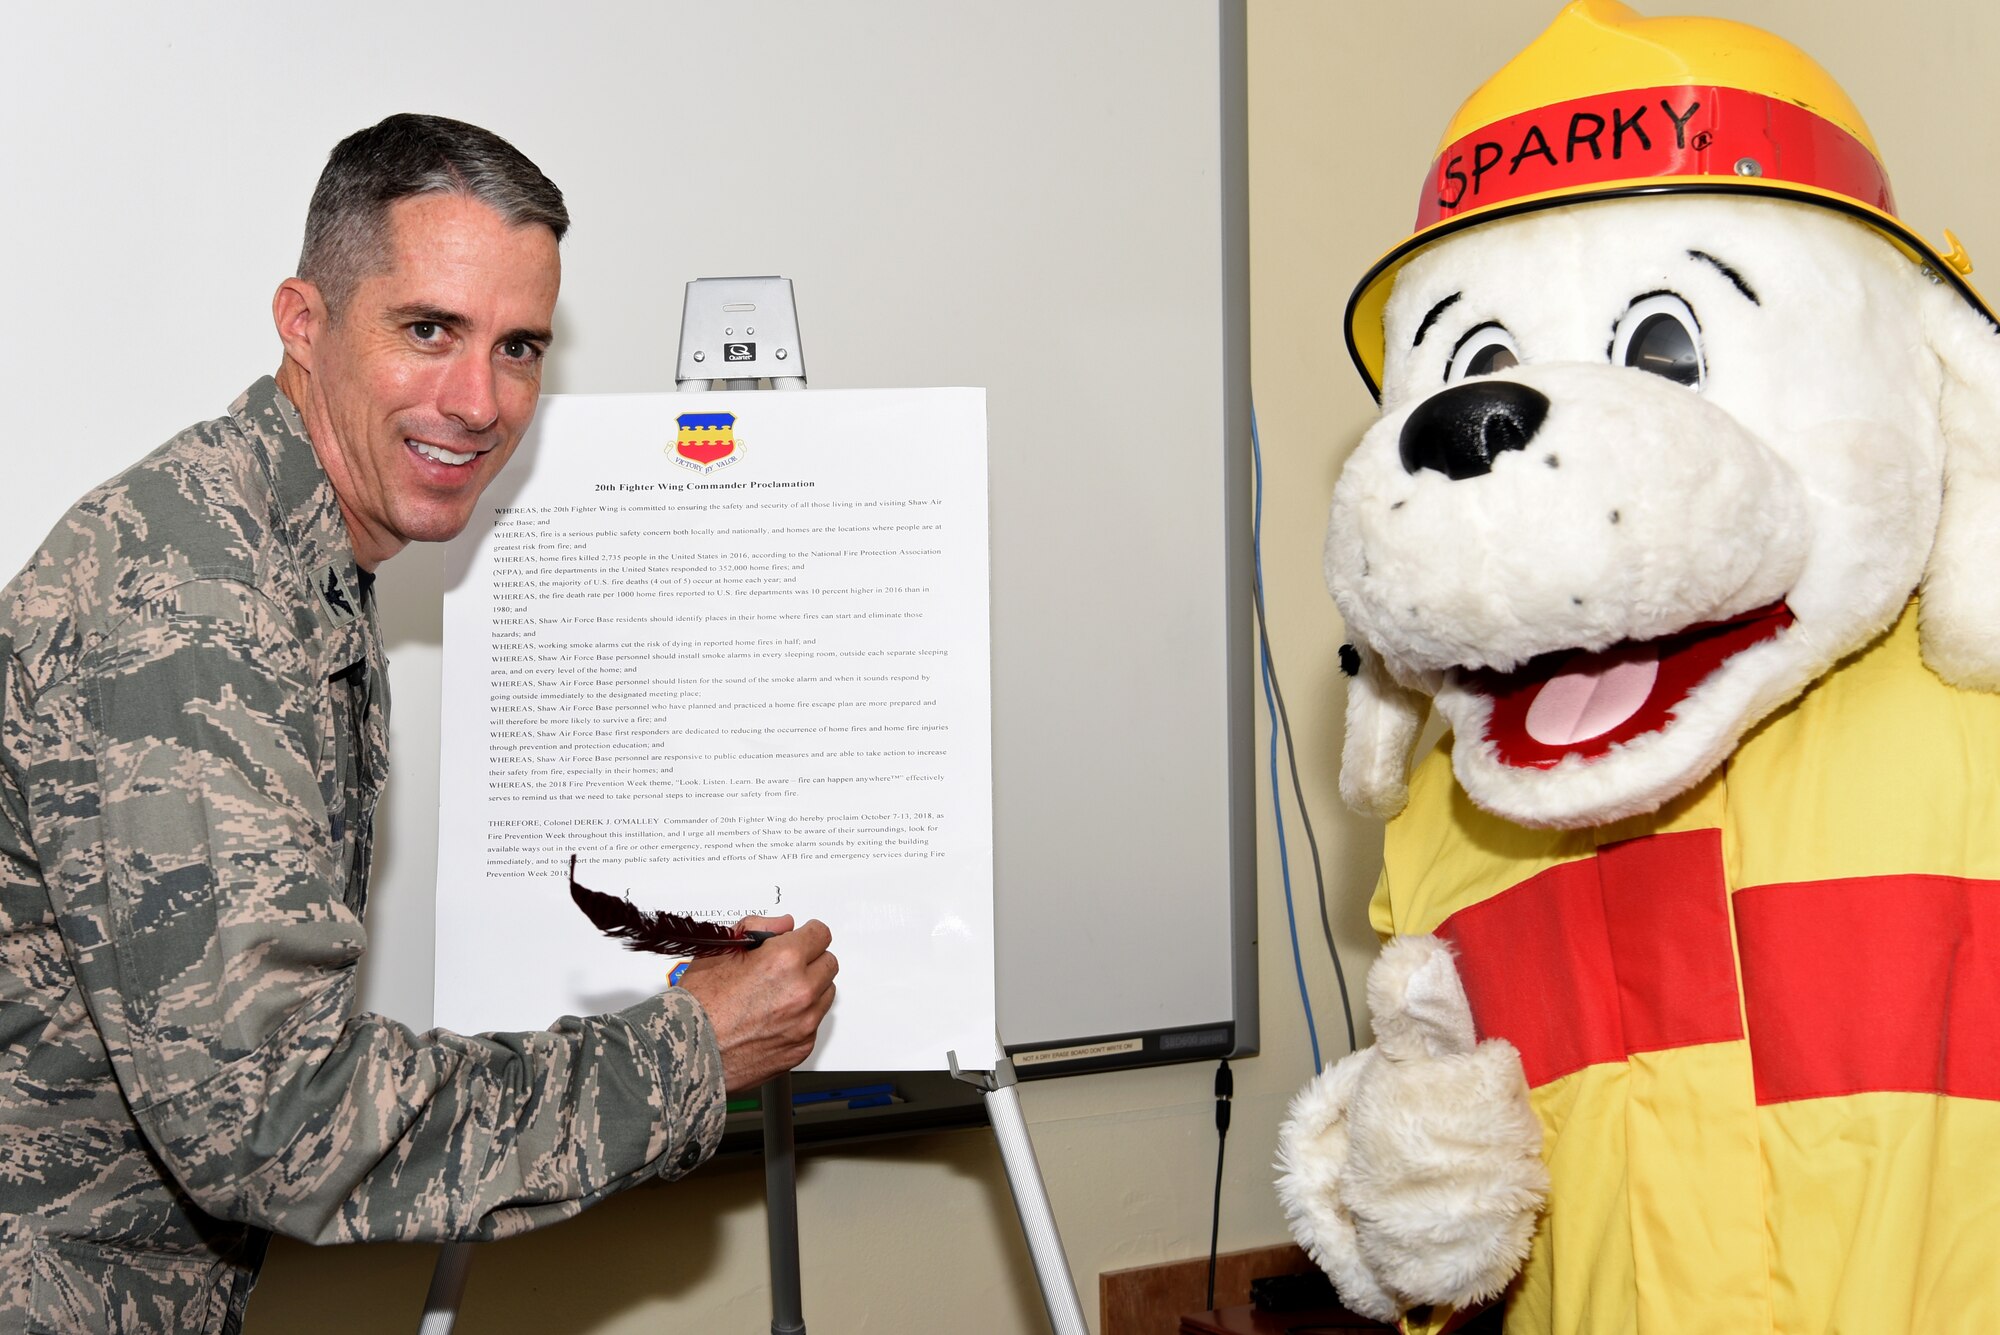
(731, 651)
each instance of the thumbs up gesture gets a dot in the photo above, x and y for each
(1411, 1171)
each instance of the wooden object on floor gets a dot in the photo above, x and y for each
(1249, 1321)
(1151, 1300)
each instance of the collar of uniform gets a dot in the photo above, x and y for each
(308, 509)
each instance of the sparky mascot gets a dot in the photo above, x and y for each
(1683, 511)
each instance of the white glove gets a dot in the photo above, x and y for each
(1411, 1171)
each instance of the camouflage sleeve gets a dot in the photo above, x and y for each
(203, 907)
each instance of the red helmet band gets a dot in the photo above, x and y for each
(1649, 133)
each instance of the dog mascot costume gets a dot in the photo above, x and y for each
(1683, 511)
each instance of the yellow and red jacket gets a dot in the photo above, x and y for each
(1761, 1026)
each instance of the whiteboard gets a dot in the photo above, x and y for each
(1044, 199)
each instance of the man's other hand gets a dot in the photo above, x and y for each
(766, 1004)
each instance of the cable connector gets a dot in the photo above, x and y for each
(1225, 1090)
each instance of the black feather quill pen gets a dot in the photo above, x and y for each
(660, 933)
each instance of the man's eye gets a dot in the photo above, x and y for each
(424, 330)
(520, 350)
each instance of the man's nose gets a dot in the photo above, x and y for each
(1461, 430)
(469, 393)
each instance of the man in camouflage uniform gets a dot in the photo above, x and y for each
(193, 735)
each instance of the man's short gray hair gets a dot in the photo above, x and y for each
(347, 224)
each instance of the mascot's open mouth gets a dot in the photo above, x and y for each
(1573, 703)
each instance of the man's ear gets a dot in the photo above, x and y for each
(1961, 596)
(300, 314)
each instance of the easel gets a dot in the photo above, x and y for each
(738, 334)
(720, 319)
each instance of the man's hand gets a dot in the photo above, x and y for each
(766, 1004)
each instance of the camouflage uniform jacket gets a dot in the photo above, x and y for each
(192, 736)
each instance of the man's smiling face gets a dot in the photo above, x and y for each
(419, 390)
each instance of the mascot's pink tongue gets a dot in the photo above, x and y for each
(1575, 706)
(1583, 704)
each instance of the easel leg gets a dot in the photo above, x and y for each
(781, 1206)
(447, 1288)
(1031, 1195)
(1031, 1201)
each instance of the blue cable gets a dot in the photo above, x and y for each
(1271, 708)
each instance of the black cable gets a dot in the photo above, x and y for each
(1225, 1090)
(1305, 817)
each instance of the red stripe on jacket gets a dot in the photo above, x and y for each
(1850, 986)
(1873, 983)
(1591, 961)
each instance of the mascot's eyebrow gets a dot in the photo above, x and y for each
(1727, 272)
(1430, 318)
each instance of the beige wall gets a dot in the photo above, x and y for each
(1346, 104)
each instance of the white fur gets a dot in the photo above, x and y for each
(1411, 1171)
(1447, 574)
(1313, 1152)
(1961, 607)
(1811, 466)
(1383, 720)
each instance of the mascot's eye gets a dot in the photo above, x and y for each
(1659, 334)
(1487, 349)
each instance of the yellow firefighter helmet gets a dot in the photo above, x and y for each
(1607, 103)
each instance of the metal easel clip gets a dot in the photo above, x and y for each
(736, 332)
(1000, 1077)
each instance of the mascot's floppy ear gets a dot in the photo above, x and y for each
(1383, 720)
(1960, 623)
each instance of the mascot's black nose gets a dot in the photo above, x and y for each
(1460, 431)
